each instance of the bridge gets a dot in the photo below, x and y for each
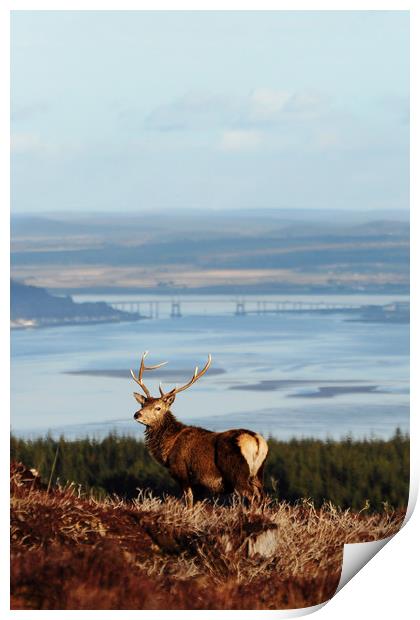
(152, 309)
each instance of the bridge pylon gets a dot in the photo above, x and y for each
(175, 310)
(240, 308)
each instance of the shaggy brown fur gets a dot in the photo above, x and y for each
(202, 461)
(198, 459)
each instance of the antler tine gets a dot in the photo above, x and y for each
(194, 378)
(155, 366)
(142, 368)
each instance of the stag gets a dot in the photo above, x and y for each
(198, 459)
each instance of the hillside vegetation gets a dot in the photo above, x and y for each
(263, 251)
(348, 473)
(71, 551)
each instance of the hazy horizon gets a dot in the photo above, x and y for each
(403, 213)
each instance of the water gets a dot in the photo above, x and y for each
(284, 375)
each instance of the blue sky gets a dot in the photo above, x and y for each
(209, 110)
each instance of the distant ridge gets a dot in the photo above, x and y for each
(34, 306)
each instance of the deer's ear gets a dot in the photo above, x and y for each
(170, 399)
(139, 398)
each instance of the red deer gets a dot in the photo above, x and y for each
(199, 459)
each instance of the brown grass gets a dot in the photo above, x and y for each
(73, 552)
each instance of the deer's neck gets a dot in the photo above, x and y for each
(161, 438)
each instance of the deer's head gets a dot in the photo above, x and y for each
(153, 410)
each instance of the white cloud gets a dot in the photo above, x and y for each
(277, 105)
(240, 140)
(25, 142)
(262, 107)
(193, 111)
(266, 103)
(33, 143)
(308, 104)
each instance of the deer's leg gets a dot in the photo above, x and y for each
(258, 493)
(258, 482)
(245, 489)
(188, 497)
(251, 489)
(260, 474)
(245, 495)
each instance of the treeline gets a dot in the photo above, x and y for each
(348, 472)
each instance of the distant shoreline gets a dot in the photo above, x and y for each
(19, 324)
(226, 290)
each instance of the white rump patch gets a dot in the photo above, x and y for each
(254, 450)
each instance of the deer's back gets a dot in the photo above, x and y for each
(215, 460)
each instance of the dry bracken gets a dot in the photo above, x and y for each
(71, 551)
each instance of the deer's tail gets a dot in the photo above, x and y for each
(254, 449)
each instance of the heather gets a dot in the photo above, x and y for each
(72, 550)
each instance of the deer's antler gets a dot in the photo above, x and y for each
(139, 379)
(193, 379)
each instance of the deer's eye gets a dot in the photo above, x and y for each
(158, 408)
